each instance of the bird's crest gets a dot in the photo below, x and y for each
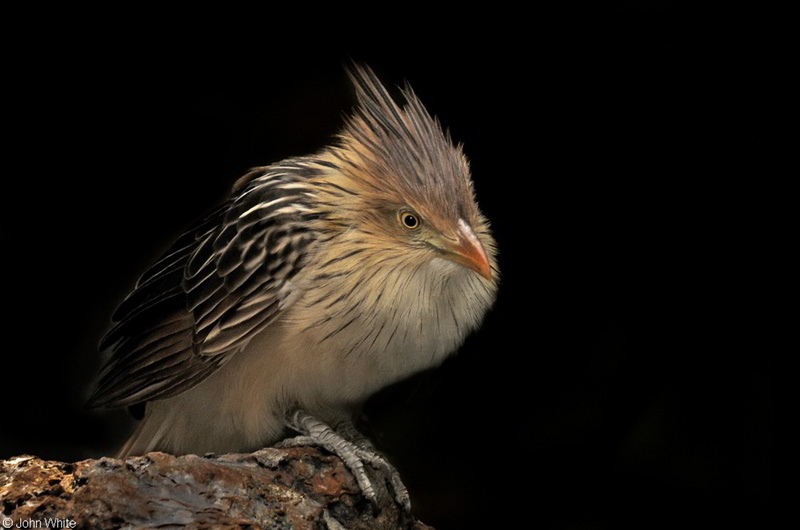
(405, 148)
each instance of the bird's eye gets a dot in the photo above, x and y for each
(409, 220)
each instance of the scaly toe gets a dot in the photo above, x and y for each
(381, 464)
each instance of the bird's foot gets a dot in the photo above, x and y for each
(354, 450)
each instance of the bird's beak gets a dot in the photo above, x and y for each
(467, 250)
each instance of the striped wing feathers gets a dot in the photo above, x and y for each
(222, 282)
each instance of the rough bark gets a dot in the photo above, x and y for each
(271, 488)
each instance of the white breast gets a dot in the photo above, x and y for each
(413, 326)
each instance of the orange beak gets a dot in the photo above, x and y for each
(468, 251)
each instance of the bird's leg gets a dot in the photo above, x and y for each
(376, 460)
(349, 445)
(315, 432)
(349, 432)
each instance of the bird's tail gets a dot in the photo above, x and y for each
(147, 437)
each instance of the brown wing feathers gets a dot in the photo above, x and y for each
(217, 286)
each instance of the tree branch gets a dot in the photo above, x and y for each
(271, 488)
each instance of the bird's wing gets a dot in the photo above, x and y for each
(222, 282)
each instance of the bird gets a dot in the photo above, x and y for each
(320, 280)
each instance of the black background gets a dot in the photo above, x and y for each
(618, 152)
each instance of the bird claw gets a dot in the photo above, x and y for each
(380, 463)
(317, 433)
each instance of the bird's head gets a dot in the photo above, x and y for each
(402, 187)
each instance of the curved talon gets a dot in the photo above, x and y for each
(380, 463)
(352, 453)
(344, 450)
